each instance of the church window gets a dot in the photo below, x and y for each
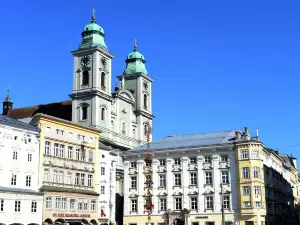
(103, 81)
(145, 101)
(84, 113)
(102, 114)
(85, 78)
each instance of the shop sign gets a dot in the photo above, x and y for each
(103, 220)
(70, 215)
(201, 217)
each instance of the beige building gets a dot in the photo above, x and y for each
(69, 173)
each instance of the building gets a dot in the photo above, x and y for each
(20, 199)
(120, 113)
(191, 173)
(69, 176)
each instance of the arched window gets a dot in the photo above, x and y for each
(145, 129)
(85, 77)
(103, 81)
(145, 101)
(83, 112)
(103, 113)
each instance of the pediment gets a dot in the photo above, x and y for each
(127, 95)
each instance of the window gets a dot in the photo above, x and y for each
(84, 113)
(64, 203)
(256, 190)
(177, 179)
(28, 181)
(246, 204)
(29, 157)
(91, 156)
(48, 203)
(133, 182)
(82, 155)
(103, 81)
(258, 204)
(208, 178)
(1, 205)
(246, 190)
(226, 202)
(77, 176)
(85, 77)
(15, 155)
(72, 204)
(194, 203)
(62, 151)
(193, 160)
(209, 202)
(102, 114)
(209, 223)
(55, 177)
(162, 204)
(102, 170)
(145, 101)
(103, 156)
(13, 179)
(80, 204)
(93, 205)
(82, 179)
(133, 205)
(224, 158)
(193, 178)
(102, 191)
(133, 165)
(162, 162)
(244, 154)
(61, 177)
(254, 154)
(69, 178)
(70, 152)
(178, 203)
(195, 223)
(162, 180)
(145, 129)
(33, 206)
(123, 128)
(16, 137)
(47, 147)
(56, 149)
(85, 206)
(177, 161)
(246, 173)
(207, 159)
(57, 202)
(256, 172)
(225, 177)
(17, 205)
(77, 154)
(90, 180)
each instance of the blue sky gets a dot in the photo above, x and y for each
(217, 65)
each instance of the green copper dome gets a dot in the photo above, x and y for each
(93, 35)
(135, 63)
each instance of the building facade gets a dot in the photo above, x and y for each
(69, 175)
(20, 199)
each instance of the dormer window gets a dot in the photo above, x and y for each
(83, 112)
(85, 78)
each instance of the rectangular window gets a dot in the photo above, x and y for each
(62, 151)
(193, 160)
(178, 203)
(254, 154)
(208, 178)
(247, 204)
(194, 203)
(133, 205)
(162, 204)
(83, 155)
(256, 172)
(1, 205)
(177, 179)
(15, 155)
(13, 179)
(226, 202)
(72, 204)
(102, 190)
(258, 204)
(177, 161)
(225, 177)
(70, 152)
(246, 190)
(256, 190)
(193, 178)
(69, 178)
(17, 205)
(90, 180)
(28, 181)
(162, 162)
(82, 179)
(244, 154)
(93, 205)
(55, 177)
(29, 157)
(246, 173)
(123, 128)
(77, 154)
(64, 203)
(80, 204)
(47, 147)
(207, 159)
(57, 202)
(224, 158)
(56, 148)
(85, 206)
(61, 177)
(102, 170)
(48, 202)
(77, 177)
(162, 180)
(91, 156)
(133, 182)
(133, 165)
(84, 108)
(33, 206)
(209, 202)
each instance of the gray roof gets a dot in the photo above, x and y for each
(190, 141)
(288, 163)
(20, 190)
(7, 121)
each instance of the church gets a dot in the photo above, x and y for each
(121, 114)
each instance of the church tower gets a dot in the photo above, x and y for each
(7, 104)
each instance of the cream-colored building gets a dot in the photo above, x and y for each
(69, 172)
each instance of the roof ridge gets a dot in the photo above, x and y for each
(32, 106)
(211, 132)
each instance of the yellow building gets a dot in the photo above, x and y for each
(69, 172)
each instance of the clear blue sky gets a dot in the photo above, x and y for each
(217, 65)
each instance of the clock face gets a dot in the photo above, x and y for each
(85, 60)
(103, 61)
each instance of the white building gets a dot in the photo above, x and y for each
(188, 173)
(20, 200)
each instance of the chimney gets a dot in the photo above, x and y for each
(247, 134)
(257, 137)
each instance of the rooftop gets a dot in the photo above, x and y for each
(5, 120)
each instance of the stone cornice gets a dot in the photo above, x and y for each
(85, 51)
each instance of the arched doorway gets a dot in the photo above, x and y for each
(48, 221)
(85, 221)
(94, 222)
